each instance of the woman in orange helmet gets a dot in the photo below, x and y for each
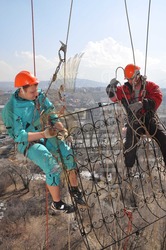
(21, 116)
(141, 99)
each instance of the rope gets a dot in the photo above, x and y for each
(34, 68)
(129, 215)
(47, 243)
(132, 46)
(67, 36)
(135, 118)
(63, 48)
(144, 79)
(62, 87)
(147, 36)
(62, 59)
(33, 39)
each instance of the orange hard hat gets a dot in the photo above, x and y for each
(131, 70)
(25, 78)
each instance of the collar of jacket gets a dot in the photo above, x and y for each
(127, 84)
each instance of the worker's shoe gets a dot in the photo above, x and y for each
(77, 195)
(132, 174)
(64, 208)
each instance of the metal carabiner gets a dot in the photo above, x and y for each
(63, 48)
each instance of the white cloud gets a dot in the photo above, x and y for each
(24, 60)
(44, 67)
(6, 72)
(102, 58)
(99, 63)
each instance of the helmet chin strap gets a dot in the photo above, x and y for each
(23, 91)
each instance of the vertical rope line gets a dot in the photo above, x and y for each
(129, 31)
(46, 218)
(33, 38)
(69, 238)
(67, 38)
(147, 36)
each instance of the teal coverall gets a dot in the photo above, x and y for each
(21, 116)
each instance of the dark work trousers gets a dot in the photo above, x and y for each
(154, 128)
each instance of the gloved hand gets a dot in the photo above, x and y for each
(111, 88)
(69, 139)
(62, 134)
(50, 132)
(148, 104)
(134, 107)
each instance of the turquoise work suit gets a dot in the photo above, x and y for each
(21, 116)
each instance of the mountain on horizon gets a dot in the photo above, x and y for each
(80, 83)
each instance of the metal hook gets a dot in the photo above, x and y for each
(116, 72)
(63, 48)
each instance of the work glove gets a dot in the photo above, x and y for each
(111, 88)
(148, 104)
(134, 107)
(62, 134)
(50, 132)
(69, 139)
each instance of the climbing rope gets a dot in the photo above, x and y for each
(130, 34)
(47, 238)
(131, 40)
(67, 37)
(147, 37)
(135, 118)
(129, 215)
(62, 59)
(33, 39)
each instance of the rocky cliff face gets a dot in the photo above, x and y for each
(115, 209)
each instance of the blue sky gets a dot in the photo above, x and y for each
(98, 29)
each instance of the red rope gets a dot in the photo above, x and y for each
(129, 215)
(46, 218)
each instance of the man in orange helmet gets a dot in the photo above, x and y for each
(21, 116)
(141, 99)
